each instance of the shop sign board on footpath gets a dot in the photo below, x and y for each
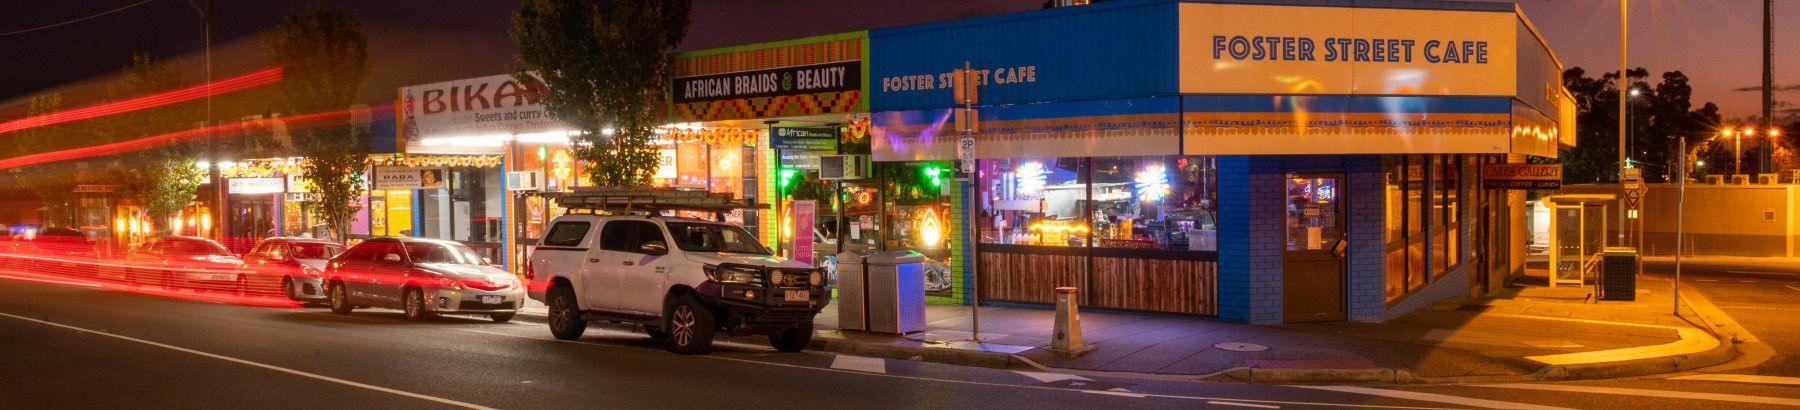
(805, 213)
(1521, 176)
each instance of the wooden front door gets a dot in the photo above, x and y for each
(1313, 275)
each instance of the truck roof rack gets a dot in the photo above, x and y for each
(650, 200)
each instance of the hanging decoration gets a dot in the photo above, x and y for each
(484, 161)
(713, 136)
(858, 129)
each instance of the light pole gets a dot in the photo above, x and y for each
(1624, 82)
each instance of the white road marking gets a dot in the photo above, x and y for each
(1648, 393)
(1043, 377)
(1227, 403)
(1742, 378)
(1114, 393)
(261, 365)
(1431, 397)
(859, 363)
(1792, 287)
(971, 383)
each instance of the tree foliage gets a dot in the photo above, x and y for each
(325, 60)
(164, 180)
(603, 65)
(1657, 116)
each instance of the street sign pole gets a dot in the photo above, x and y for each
(1680, 202)
(965, 90)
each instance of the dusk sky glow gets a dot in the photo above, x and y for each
(1715, 42)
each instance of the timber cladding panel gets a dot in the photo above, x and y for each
(1028, 278)
(1157, 285)
(1185, 286)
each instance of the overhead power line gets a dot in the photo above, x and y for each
(51, 26)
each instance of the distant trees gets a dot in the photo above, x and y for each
(1658, 115)
(605, 66)
(325, 59)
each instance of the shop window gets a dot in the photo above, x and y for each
(1452, 211)
(1417, 169)
(1154, 203)
(1394, 176)
(1034, 201)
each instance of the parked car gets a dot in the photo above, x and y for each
(187, 261)
(422, 277)
(681, 279)
(295, 266)
(57, 250)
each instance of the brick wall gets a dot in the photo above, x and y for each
(1250, 238)
(960, 250)
(1367, 266)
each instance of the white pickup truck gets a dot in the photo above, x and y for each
(681, 279)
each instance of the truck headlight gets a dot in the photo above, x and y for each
(816, 278)
(777, 278)
(724, 275)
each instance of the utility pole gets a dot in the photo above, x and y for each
(212, 138)
(1624, 84)
(1766, 160)
(966, 90)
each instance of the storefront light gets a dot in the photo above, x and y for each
(1030, 177)
(931, 228)
(1152, 183)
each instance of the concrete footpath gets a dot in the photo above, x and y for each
(1527, 333)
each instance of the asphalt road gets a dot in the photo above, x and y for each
(66, 345)
(1762, 297)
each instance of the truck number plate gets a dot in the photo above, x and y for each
(490, 299)
(796, 295)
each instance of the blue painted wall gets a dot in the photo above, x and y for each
(1103, 51)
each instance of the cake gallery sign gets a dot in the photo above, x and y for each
(491, 105)
(806, 79)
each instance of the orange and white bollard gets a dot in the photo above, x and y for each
(1067, 339)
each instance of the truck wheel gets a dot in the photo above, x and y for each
(690, 326)
(413, 303)
(340, 298)
(565, 316)
(793, 339)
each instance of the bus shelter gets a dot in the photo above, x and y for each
(1577, 236)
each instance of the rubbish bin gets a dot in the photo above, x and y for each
(895, 291)
(852, 292)
(1618, 273)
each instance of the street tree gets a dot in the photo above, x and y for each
(325, 60)
(1657, 116)
(603, 67)
(164, 179)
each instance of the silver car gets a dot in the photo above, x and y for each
(295, 265)
(423, 277)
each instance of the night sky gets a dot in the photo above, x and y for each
(1715, 42)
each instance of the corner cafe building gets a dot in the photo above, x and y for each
(1258, 161)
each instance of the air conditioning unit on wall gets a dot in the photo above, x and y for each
(839, 167)
(1768, 179)
(525, 181)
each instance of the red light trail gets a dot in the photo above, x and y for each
(324, 118)
(225, 86)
